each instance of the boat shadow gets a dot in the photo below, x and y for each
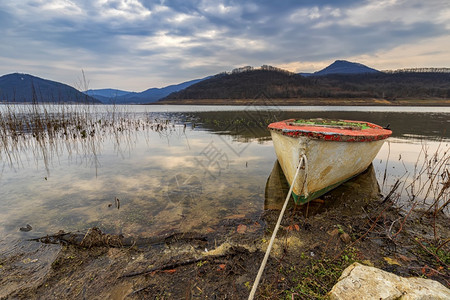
(358, 191)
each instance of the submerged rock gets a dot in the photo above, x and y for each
(26, 228)
(364, 282)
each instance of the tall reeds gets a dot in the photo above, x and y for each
(425, 186)
(423, 194)
(46, 130)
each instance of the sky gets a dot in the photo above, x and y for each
(134, 45)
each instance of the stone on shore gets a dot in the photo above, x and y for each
(364, 282)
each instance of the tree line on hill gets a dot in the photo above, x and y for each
(281, 85)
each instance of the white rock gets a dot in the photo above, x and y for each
(364, 282)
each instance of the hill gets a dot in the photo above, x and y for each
(342, 67)
(110, 96)
(105, 93)
(23, 88)
(276, 84)
(244, 85)
(345, 67)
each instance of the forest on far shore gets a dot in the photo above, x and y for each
(283, 85)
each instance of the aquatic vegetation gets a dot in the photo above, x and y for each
(48, 129)
(424, 189)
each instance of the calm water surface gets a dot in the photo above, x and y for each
(203, 165)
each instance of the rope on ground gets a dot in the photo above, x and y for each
(303, 161)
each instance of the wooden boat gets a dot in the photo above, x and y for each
(334, 151)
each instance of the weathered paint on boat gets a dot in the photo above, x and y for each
(336, 150)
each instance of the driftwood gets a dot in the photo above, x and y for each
(167, 267)
(94, 237)
(172, 265)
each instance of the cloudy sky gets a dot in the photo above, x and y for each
(137, 44)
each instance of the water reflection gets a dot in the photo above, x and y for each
(358, 191)
(182, 171)
(276, 189)
(250, 124)
(420, 168)
(36, 135)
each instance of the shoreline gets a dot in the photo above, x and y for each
(311, 251)
(272, 102)
(308, 102)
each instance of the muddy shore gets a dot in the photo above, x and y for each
(316, 242)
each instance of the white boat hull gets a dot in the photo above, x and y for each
(329, 163)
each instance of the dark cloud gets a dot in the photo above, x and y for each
(180, 39)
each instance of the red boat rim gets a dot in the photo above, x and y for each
(331, 130)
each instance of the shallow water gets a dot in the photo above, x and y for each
(205, 167)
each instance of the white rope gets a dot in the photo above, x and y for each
(277, 226)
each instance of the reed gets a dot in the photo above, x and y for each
(426, 187)
(47, 130)
(423, 195)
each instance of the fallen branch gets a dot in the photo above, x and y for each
(94, 237)
(391, 192)
(165, 267)
(402, 223)
(428, 251)
(442, 245)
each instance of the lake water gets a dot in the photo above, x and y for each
(162, 169)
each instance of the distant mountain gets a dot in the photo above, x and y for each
(110, 93)
(106, 95)
(109, 96)
(343, 67)
(23, 88)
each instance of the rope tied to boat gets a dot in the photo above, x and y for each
(303, 162)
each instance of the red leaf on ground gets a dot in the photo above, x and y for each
(424, 270)
(241, 228)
